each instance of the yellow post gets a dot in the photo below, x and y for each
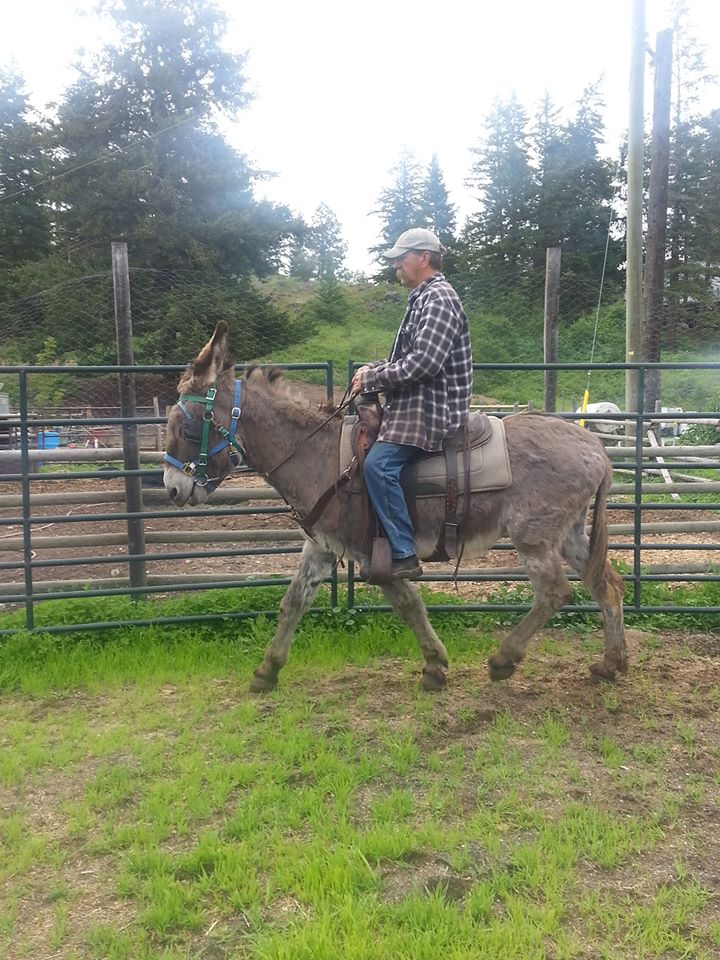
(583, 408)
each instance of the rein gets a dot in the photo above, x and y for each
(316, 511)
(344, 403)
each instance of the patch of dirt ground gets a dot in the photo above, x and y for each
(669, 705)
(663, 548)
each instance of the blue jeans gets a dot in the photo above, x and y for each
(383, 466)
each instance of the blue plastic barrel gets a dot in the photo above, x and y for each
(48, 439)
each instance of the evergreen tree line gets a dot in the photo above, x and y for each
(542, 182)
(134, 151)
(538, 182)
(540, 179)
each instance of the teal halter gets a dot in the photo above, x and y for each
(197, 469)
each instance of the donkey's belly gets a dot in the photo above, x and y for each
(472, 549)
(478, 532)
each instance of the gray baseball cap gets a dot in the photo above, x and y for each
(416, 239)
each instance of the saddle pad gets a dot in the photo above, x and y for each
(489, 463)
(346, 453)
(489, 467)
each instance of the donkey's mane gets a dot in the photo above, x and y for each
(284, 397)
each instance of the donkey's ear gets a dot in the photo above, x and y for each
(213, 358)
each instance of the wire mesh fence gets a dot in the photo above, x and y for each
(73, 322)
(69, 318)
(57, 398)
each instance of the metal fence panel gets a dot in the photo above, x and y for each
(32, 436)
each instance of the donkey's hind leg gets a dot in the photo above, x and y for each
(607, 590)
(552, 591)
(315, 564)
(408, 605)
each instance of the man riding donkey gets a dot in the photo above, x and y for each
(427, 383)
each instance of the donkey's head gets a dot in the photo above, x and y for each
(202, 449)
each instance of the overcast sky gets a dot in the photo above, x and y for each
(342, 89)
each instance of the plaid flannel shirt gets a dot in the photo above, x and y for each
(427, 380)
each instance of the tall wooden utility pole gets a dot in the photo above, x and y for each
(653, 299)
(635, 204)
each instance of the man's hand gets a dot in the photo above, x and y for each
(356, 386)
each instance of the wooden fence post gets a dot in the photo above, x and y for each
(128, 408)
(552, 313)
(159, 445)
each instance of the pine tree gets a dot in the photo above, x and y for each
(139, 156)
(329, 304)
(139, 133)
(436, 211)
(706, 241)
(695, 219)
(318, 250)
(498, 238)
(326, 243)
(689, 178)
(400, 208)
(302, 263)
(24, 218)
(575, 190)
(546, 141)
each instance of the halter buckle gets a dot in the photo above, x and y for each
(235, 413)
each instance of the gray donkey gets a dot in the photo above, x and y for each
(558, 469)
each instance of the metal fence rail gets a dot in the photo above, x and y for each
(23, 508)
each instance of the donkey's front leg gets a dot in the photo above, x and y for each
(315, 565)
(408, 604)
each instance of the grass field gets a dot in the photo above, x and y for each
(152, 808)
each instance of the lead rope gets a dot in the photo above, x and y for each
(345, 402)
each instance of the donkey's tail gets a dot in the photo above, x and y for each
(599, 575)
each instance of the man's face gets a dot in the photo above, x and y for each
(411, 267)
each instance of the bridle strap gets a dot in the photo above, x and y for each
(318, 509)
(198, 469)
(228, 435)
(308, 521)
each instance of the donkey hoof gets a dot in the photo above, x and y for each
(500, 668)
(433, 680)
(262, 683)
